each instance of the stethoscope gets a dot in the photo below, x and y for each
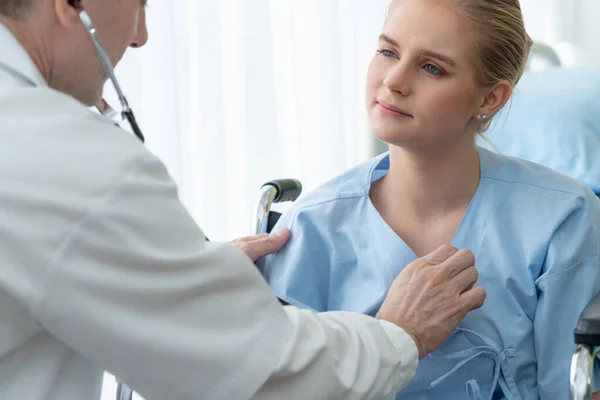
(124, 392)
(104, 108)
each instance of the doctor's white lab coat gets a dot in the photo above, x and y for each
(102, 268)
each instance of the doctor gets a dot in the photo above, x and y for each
(102, 268)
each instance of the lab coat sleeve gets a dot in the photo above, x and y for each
(135, 288)
(568, 283)
(331, 356)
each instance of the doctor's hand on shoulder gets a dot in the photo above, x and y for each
(261, 245)
(432, 295)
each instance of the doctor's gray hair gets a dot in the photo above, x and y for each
(501, 39)
(15, 8)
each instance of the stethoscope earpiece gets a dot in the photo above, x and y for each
(126, 112)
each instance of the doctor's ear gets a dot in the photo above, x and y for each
(67, 12)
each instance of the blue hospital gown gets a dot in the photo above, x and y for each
(535, 236)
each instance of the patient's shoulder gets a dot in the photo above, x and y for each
(540, 185)
(342, 190)
(350, 184)
(521, 172)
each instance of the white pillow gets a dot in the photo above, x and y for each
(553, 119)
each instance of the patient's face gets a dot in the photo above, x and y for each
(422, 83)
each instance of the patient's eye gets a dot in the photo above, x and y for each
(386, 53)
(433, 70)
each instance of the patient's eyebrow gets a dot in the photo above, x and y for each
(440, 57)
(424, 53)
(385, 38)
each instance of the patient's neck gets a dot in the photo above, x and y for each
(430, 183)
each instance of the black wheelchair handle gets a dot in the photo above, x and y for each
(587, 331)
(287, 189)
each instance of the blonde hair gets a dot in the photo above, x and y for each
(501, 40)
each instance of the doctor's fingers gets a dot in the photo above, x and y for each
(439, 255)
(472, 299)
(465, 280)
(251, 238)
(458, 262)
(262, 245)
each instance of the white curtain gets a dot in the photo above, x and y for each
(233, 93)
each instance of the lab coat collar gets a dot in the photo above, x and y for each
(15, 59)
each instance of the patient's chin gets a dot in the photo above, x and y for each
(395, 137)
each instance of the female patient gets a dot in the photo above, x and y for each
(443, 69)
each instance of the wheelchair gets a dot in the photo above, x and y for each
(587, 338)
(276, 191)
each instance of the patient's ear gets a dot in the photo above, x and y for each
(495, 98)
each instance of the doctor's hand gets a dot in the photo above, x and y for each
(262, 245)
(432, 295)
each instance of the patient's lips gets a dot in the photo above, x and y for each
(391, 110)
